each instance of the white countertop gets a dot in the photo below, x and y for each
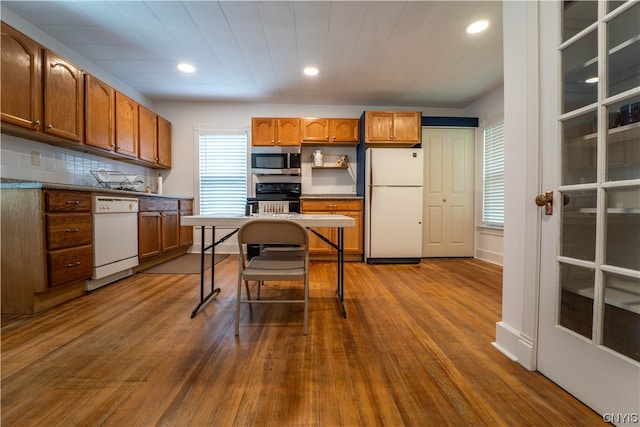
(306, 220)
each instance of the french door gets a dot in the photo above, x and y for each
(589, 311)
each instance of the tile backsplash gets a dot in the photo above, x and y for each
(31, 160)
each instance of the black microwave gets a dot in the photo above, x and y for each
(275, 163)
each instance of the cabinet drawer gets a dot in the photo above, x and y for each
(185, 205)
(67, 201)
(68, 230)
(331, 205)
(152, 204)
(67, 265)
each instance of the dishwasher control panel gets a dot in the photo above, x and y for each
(108, 204)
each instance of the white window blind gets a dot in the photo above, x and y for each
(493, 177)
(223, 173)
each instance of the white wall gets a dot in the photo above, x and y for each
(187, 118)
(489, 109)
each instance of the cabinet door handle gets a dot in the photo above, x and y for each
(38, 122)
(73, 264)
(50, 126)
(72, 230)
(73, 202)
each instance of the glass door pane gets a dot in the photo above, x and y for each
(576, 16)
(623, 140)
(579, 149)
(623, 47)
(622, 242)
(580, 73)
(621, 330)
(576, 304)
(578, 233)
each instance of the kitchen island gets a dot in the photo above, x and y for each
(338, 222)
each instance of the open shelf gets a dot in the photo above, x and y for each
(331, 167)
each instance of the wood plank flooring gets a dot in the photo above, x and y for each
(415, 350)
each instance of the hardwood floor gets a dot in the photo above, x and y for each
(415, 350)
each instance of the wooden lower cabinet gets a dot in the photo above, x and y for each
(47, 251)
(353, 242)
(170, 227)
(159, 230)
(149, 235)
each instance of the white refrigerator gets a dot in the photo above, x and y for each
(393, 205)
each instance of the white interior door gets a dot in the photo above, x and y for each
(589, 313)
(448, 192)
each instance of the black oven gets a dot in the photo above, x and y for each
(281, 192)
(273, 194)
(275, 163)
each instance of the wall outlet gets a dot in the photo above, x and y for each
(36, 158)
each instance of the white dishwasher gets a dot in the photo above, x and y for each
(115, 239)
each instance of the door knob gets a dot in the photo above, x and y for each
(541, 200)
(545, 200)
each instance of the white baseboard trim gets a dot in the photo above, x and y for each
(504, 351)
(489, 256)
(515, 346)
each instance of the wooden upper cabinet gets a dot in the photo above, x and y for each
(21, 71)
(378, 126)
(99, 106)
(263, 131)
(344, 130)
(288, 131)
(407, 126)
(148, 134)
(395, 127)
(275, 131)
(164, 142)
(315, 130)
(126, 140)
(48, 99)
(331, 131)
(63, 98)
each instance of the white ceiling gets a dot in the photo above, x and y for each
(394, 53)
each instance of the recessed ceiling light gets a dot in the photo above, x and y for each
(591, 80)
(186, 68)
(477, 26)
(311, 71)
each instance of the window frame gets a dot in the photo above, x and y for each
(199, 133)
(487, 223)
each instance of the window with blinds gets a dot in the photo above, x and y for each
(223, 173)
(493, 177)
